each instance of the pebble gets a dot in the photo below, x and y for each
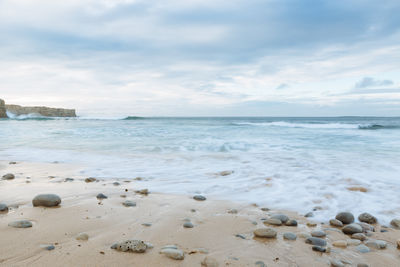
(359, 236)
(12, 162)
(240, 236)
(21, 224)
(209, 262)
(8, 176)
(82, 237)
(175, 254)
(133, 245)
(265, 209)
(225, 173)
(146, 224)
(289, 236)
(367, 218)
(363, 248)
(265, 233)
(282, 217)
(353, 242)
(129, 203)
(188, 225)
(318, 233)
(170, 246)
(352, 228)
(69, 179)
(362, 265)
(311, 224)
(345, 217)
(335, 222)
(116, 184)
(233, 211)
(395, 223)
(304, 235)
(199, 198)
(260, 264)
(46, 200)
(366, 227)
(273, 221)
(90, 180)
(336, 263)
(378, 244)
(48, 247)
(318, 248)
(143, 192)
(291, 223)
(340, 243)
(101, 196)
(3, 207)
(309, 214)
(316, 241)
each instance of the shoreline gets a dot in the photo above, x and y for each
(219, 232)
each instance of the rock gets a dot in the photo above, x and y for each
(282, 217)
(12, 162)
(260, 264)
(318, 233)
(395, 223)
(240, 236)
(359, 236)
(48, 247)
(82, 237)
(363, 249)
(273, 221)
(233, 211)
(3, 111)
(46, 200)
(129, 203)
(377, 244)
(309, 214)
(398, 243)
(318, 248)
(101, 196)
(146, 224)
(116, 184)
(21, 224)
(209, 262)
(225, 173)
(188, 225)
(335, 222)
(44, 111)
(367, 218)
(336, 263)
(353, 242)
(170, 246)
(137, 246)
(289, 236)
(69, 179)
(291, 223)
(352, 228)
(143, 191)
(175, 254)
(265, 209)
(199, 198)
(265, 233)
(304, 235)
(358, 188)
(345, 217)
(362, 265)
(3, 207)
(366, 227)
(311, 224)
(8, 176)
(90, 180)
(316, 241)
(340, 243)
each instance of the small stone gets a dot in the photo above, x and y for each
(353, 242)
(335, 222)
(146, 224)
(46, 200)
(345, 217)
(291, 222)
(137, 246)
(265, 233)
(273, 221)
(116, 184)
(318, 233)
(233, 211)
(3, 208)
(340, 243)
(289, 236)
(123, 196)
(8, 176)
(188, 225)
(265, 209)
(352, 228)
(82, 237)
(101, 196)
(367, 218)
(225, 173)
(260, 264)
(240, 236)
(48, 247)
(21, 224)
(362, 248)
(318, 248)
(90, 180)
(69, 179)
(209, 262)
(309, 214)
(282, 217)
(149, 245)
(316, 241)
(199, 198)
(336, 263)
(377, 244)
(362, 265)
(384, 231)
(12, 162)
(359, 236)
(366, 227)
(175, 254)
(311, 224)
(395, 223)
(129, 203)
(304, 235)
(143, 192)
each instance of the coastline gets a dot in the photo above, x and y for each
(214, 234)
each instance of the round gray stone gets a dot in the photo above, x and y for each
(345, 217)
(101, 196)
(367, 218)
(199, 198)
(359, 236)
(188, 225)
(21, 224)
(335, 222)
(129, 203)
(46, 200)
(352, 228)
(265, 233)
(3, 207)
(175, 254)
(273, 221)
(289, 236)
(316, 241)
(377, 244)
(395, 223)
(282, 217)
(363, 248)
(318, 233)
(8, 176)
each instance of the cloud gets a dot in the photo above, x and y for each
(282, 86)
(371, 82)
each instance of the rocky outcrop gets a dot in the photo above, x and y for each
(44, 111)
(3, 113)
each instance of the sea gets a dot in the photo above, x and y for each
(312, 164)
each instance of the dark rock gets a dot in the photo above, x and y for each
(345, 217)
(291, 222)
(46, 200)
(316, 241)
(335, 222)
(8, 176)
(69, 179)
(289, 236)
(367, 218)
(129, 203)
(199, 198)
(90, 180)
(352, 229)
(282, 217)
(309, 214)
(101, 196)
(318, 248)
(3, 207)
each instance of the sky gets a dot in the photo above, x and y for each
(202, 57)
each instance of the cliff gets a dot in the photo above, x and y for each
(3, 113)
(44, 111)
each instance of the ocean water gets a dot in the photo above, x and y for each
(298, 164)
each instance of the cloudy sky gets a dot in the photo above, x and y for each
(201, 57)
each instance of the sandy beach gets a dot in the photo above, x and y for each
(222, 230)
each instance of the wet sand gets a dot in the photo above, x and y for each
(108, 221)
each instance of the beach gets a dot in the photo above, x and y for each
(222, 232)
